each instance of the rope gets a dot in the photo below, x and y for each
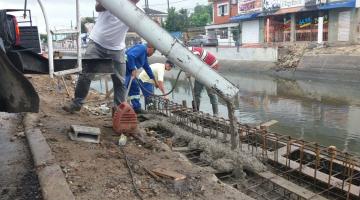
(161, 95)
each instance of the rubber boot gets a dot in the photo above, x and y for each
(215, 109)
(193, 106)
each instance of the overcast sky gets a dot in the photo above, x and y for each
(62, 12)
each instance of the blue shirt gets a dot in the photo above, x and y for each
(136, 59)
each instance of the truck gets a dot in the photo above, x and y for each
(20, 54)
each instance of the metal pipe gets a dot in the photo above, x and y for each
(78, 24)
(135, 18)
(50, 45)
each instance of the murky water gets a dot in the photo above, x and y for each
(323, 112)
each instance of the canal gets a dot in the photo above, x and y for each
(323, 112)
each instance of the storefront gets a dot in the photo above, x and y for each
(250, 24)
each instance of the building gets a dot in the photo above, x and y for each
(221, 26)
(282, 21)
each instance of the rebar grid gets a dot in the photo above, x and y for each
(337, 165)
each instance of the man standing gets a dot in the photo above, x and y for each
(213, 63)
(147, 85)
(107, 40)
(136, 58)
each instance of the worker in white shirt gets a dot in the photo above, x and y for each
(147, 84)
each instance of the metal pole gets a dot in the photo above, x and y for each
(78, 24)
(320, 30)
(50, 45)
(135, 18)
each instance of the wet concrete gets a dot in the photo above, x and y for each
(326, 112)
(18, 178)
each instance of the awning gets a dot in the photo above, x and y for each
(283, 11)
(244, 17)
(338, 4)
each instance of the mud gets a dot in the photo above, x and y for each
(18, 179)
(99, 171)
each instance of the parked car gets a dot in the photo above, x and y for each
(203, 40)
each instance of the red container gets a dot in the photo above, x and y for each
(125, 119)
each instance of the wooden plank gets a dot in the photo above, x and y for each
(180, 149)
(168, 174)
(298, 190)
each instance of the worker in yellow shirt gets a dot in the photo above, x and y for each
(147, 84)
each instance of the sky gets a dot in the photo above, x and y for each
(62, 12)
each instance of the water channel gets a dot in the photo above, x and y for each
(323, 112)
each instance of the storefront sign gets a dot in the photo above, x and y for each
(311, 3)
(271, 5)
(276, 4)
(249, 6)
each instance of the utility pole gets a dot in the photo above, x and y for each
(168, 5)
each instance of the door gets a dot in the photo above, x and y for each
(344, 26)
(250, 31)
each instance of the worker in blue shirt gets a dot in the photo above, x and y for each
(136, 58)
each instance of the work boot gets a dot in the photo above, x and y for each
(70, 107)
(215, 109)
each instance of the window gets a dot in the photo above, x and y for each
(223, 9)
(223, 33)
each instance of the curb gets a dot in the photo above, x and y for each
(52, 180)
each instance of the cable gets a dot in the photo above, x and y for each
(160, 95)
(131, 174)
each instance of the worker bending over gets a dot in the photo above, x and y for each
(136, 58)
(147, 84)
(213, 63)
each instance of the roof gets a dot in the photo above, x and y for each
(243, 17)
(288, 10)
(150, 11)
(338, 4)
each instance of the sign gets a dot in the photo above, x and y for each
(311, 3)
(277, 4)
(246, 6)
(271, 5)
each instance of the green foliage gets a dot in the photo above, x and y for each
(202, 16)
(177, 21)
(84, 21)
(181, 21)
(43, 38)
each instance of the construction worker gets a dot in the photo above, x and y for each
(136, 58)
(147, 84)
(107, 40)
(213, 63)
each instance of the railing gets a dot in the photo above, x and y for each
(50, 43)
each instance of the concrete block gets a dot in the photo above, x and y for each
(85, 134)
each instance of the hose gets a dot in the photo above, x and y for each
(160, 95)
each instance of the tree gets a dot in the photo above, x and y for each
(202, 16)
(43, 38)
(177, 21)
(84, 21)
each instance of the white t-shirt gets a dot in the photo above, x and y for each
(109, 32)
(158, 70)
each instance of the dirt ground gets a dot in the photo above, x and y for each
(99, 171)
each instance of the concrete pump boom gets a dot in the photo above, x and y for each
(137, 20)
